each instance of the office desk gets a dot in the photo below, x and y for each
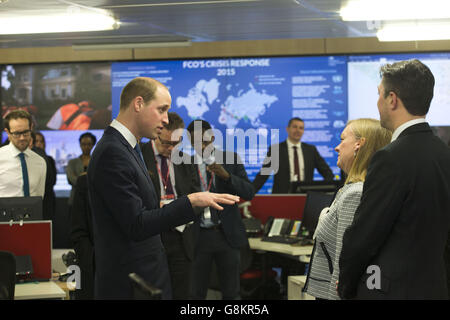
(295, 287)
(38, 290)
(301, 253)
(257, 244)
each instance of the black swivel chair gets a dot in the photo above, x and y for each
(7, 275)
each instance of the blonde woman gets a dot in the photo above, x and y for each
(360, 139)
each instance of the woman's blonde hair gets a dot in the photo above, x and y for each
(373, 137)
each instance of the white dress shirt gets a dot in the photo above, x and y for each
(172, 180)
(301, 166)
(171, 172)
(11, 180)
(125, 132)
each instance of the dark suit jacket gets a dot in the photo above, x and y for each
(49, 200)
(186, 182)
(239, 185)
(402, 223)
(281, 181)
(82, 238)
(127, 220)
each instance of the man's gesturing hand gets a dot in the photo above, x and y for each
(210, 199)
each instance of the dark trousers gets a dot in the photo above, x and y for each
(179, 264)
(212, 246)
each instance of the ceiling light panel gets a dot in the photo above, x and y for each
(366, 10)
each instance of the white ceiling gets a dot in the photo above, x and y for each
(198, 20)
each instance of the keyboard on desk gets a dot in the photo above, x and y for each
(281, 239)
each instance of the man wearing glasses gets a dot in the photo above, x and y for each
(173, 180)
(22, 171)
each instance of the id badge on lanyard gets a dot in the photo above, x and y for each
(166, 199)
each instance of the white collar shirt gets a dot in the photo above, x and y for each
(404, 126)
(292, 175)
(171, 171)
(11, 179)
(125, 132)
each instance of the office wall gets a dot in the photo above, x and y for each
(222, 49)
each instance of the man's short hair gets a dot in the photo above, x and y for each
(294, 119)
(143, 87)
(17, 114)
(412, 82)
(175, 122)
(88, 135)
(204, 124)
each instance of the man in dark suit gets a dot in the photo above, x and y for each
(127, 218)
(292, 161)
(219, 238)
(172, 181)
(49, 201)
(82, 238)
(394, 248)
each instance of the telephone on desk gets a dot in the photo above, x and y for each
(285, 231)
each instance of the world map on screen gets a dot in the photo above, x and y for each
(240, 104)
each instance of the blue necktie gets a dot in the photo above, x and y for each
(139, 152)
(26, 184)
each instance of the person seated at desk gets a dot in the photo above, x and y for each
(360, 139)
(296, 161)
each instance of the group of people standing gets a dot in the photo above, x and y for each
(139, 211)
(385, 234)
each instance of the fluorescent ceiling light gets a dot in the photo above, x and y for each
(367, 10)
(55, 22)
(413, 32)
(131, 45)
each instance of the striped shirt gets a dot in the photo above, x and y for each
(329, 234)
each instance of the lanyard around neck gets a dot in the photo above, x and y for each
(166, 179)
(203, 180)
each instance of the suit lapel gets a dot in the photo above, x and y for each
(150, 158)
(284, 161)
(136, 157)
(177, 170)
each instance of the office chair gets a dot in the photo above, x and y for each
(142, 290)
(245, 274)
(7, 275)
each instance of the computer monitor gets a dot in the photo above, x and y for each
(315, 202)
(20, 209)
(319, 186)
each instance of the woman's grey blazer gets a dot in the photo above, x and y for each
(328, 242)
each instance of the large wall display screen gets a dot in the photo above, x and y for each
(65, 100)
(364, 77)
(253, 96)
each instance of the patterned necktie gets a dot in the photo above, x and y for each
(26, 185)
(165, 176)
(296, 165)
